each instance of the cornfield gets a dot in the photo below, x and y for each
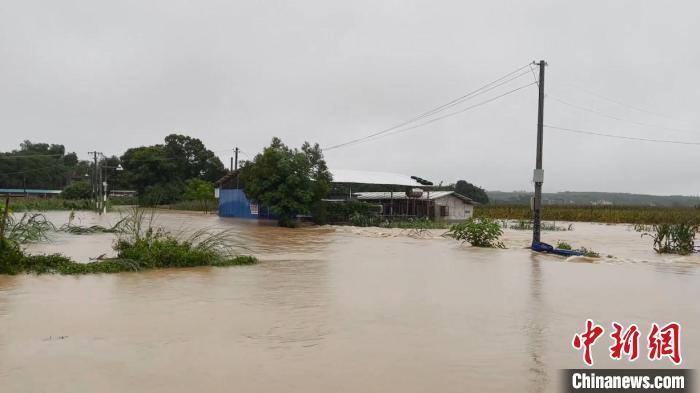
(605, 214)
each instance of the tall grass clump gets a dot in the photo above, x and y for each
(141, 241)
(30, 227)
(672, 238)
(479, 232)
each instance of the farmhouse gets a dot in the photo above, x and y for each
(395, 195)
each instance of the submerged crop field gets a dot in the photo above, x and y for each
(602, 214)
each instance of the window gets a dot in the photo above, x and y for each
(444, 211)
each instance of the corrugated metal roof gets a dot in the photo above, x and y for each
(367, 177)
(374, 196)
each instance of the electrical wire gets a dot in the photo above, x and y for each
(634, 138)
(483, 89)
(620, 103)
(603, 114)
(457, 112)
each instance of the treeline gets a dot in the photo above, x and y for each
(40, 165)
(178, 169)
(599, 198)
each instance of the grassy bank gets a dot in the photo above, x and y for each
(603, 214)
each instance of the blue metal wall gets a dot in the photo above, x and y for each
(233, 203)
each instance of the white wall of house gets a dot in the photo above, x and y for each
(456, 209)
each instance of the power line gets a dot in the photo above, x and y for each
(634, 138)
(483, 89)
(456, 112)
(617, 102)
(603, 114)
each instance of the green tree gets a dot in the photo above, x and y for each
(192, 158)
(37, 165)
(469, 190)
(199, 190)
(77, 190)
(159, 172)
(287, 181)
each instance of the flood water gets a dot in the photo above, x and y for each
(338, 309)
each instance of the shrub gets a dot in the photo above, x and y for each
(162, 194)
(10, 257)
(77, 190)
(479, 232)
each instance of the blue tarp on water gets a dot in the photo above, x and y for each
(544, 247)
(233, 203)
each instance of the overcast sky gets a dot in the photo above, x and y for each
(108, 75)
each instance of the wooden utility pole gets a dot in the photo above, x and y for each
(538, 175)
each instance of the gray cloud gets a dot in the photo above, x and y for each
(110, 75)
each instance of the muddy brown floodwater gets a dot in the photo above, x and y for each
(338, 309)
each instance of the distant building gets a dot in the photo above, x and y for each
(122, 193)
(29, 192)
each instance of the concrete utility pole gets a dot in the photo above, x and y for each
(538, 175)
(93, 179)
(100, 189)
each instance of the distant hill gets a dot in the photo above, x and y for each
(595, 198)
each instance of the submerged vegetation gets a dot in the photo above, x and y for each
(139, 245)
(671, 238)
(585, 251)
(30, 227)
(479, 232)
(71, 228)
